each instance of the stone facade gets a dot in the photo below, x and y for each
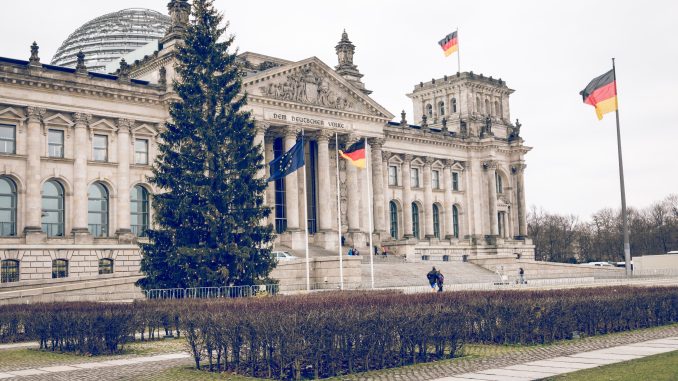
(77, 148)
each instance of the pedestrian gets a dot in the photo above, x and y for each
(440, 279)
(355, 251)
(350, 251)
(432, 277)
(376, 250)
(383, 251)
(343, 240)
(521, 274)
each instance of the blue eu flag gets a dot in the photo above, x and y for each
(287, 163)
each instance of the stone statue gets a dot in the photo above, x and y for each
(488, 124)
(463, 128)
(444, 128)
(403, 119)
(423, 121)
(515, 131)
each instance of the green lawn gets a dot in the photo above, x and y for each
(663, 367)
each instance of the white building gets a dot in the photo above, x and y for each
(76, 147)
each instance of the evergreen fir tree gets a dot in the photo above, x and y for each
(210, 206)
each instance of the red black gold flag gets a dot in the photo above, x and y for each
(355, 154)
(449, 43)
(601, 93)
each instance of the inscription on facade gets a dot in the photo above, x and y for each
(306, 120)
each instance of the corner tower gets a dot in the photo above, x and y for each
(346, 68)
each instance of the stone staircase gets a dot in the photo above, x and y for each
(414, 274)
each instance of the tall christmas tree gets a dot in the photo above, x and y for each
(208, 214)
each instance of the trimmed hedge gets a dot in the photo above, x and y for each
(336, 333)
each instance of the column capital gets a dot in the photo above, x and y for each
(376, 143)
(125, 125)
(518, 168)
(291, 132)
(82, 119)
(490, 164)
(324, 135)
(386, 155)
(449, 163)
(428, 161)
(407, 158)
(35, 114)
(261, 127)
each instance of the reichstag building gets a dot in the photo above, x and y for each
(78, 137)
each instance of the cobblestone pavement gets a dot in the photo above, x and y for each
(421, 372)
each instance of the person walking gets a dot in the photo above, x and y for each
(440, 279)
(432, 277)
(350, 251)
(521, 275)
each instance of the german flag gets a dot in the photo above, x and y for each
(601, 93)
(449, 43)
(355, 154)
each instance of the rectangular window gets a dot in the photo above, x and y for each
(100, 148)
(455, 181)
(435, 180)
(55, 141)
(392, 175)
(141, 151)
(7, 138)
(414, 177)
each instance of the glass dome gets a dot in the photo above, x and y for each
(109, 37)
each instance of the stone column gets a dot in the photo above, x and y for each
(378, 202)
(324, 186)
(259, 141)
(80, 151)
(353, 194)
(428, 199)
(490, 171)
(387, 217)
(33, 204)
(407, 196)
(124, 232)
(291, 185)
(449, 220)
(520, 195)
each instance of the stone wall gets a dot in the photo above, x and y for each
(655, 263)
(324, 273)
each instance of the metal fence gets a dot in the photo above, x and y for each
(212, 292)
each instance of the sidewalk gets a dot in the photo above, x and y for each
(536, 370)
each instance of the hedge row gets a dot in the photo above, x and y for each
(336, 333)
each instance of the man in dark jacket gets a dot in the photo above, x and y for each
(432, 277)
(439, 281)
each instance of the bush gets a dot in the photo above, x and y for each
(336, 333)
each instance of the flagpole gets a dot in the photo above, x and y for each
(341, 265)
(308, 265)
(369, 213)
(625, 225)
(458, 53)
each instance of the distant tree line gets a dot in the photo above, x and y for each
(566, 238)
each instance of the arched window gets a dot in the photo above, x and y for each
(429, 111)
(488, 110)
(53, 209)
(497, 110)
(453, 102)
(7, 207)
(105, 266)
(97, 219)
(500, 182)
(436, 221)
(60, 268)
(415, 220)
(139, 211)
(455, 221)
(393, 214)
(441, 108)
(9, 271)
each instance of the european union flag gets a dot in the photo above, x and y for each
(287, 163)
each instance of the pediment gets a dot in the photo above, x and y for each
(58, 120)
(144, 129)
(11, 113)
(103, 124)
(395, 159)
(457, 167)
(311, 82)
(438, 164)
(417, 162)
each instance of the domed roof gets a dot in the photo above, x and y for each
(109, 37)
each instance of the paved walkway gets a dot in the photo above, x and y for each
(536, 370)
(517, 364)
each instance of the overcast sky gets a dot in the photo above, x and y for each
(547, 51)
